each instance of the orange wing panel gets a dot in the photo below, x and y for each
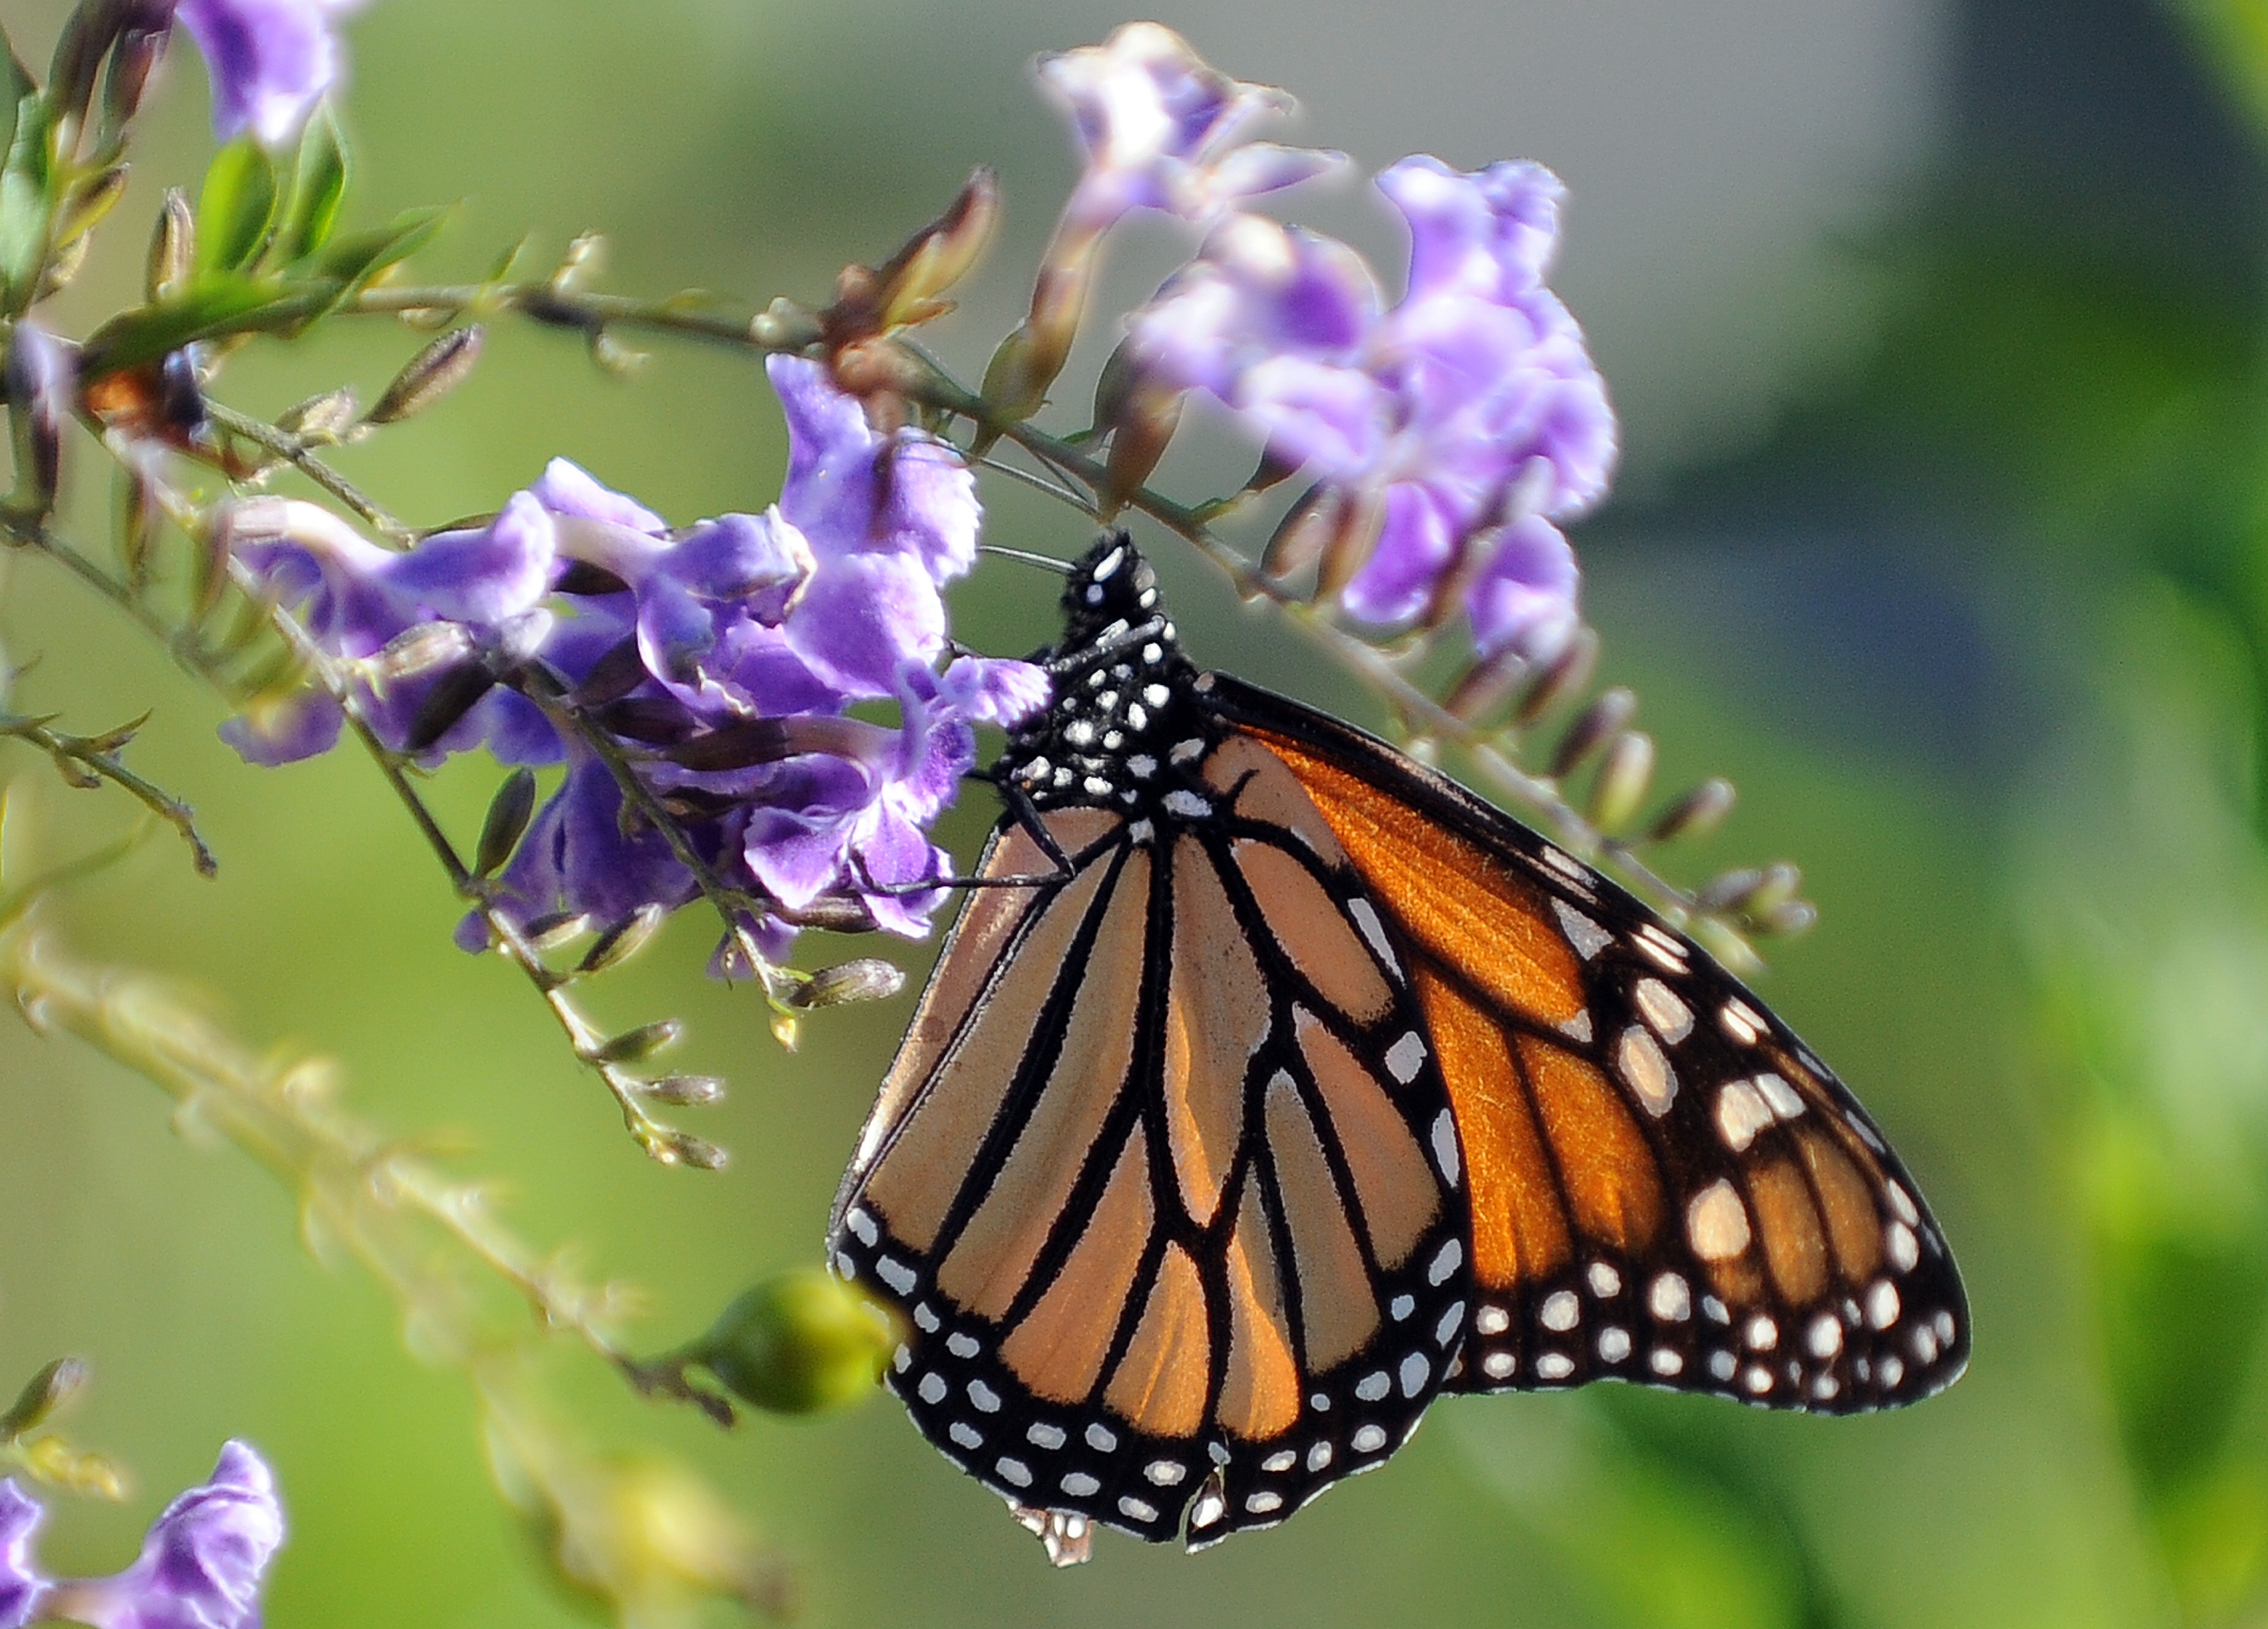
(1613, 1184)
(1518, 1230)
(1463, 907)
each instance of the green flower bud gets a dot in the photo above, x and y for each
(798, 1342)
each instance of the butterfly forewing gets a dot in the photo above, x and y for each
(1666, 1186)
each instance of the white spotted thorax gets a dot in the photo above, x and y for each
(1125, 731)
(1763, 1244)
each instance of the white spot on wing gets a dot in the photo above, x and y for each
(1604, 1279)
(1187, 803)
(1414, 1373)
(1717, 1223)
(1374, 932)
(1614, 1345)
(1555, 1366)
(1561, 1310)
(1645, 1070)
(1446, 1261)
(1671, 1018)
(1741, 1022)
(1779, 1095)
(1587, 936)
(1499, 1365)
(1741, 1114)
(1369, 1440)
(894, 1273)
(1406, 1057)
(1444, 1146)
(862, 1226)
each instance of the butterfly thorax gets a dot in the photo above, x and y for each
(1127, 725)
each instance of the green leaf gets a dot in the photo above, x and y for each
(27, 205)
(217, 303)
(236, 207)
(318, 189)
(359, 256)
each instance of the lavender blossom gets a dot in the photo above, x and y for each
(722, 660)
(1161, 130)
(1164, 130)
(201, 1566)
(1471, 411)
(270, 60)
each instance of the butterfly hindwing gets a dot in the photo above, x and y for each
(1666, 1185)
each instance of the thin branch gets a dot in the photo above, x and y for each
(89, 760)
(299, 453)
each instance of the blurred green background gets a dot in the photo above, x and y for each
(1938, 330)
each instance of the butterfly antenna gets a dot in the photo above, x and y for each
(1046, 563)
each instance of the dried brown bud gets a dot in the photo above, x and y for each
(324, 417)
(1696, 814)
(1609, 713)
(1568, 675)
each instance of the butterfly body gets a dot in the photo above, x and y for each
(1295, 1085)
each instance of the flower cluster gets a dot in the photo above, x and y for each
(722, 661)
(1464, 420)
(1446, 433)
(200, 1569)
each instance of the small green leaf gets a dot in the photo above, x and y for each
(359, 256)
(26, 204)
(318, 189)
(236, 207)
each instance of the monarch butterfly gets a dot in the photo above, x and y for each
(1282, 1086)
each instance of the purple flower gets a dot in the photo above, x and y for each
(1467, 410)
(270, 60)
(201, 1566)
(723, 659)
(1163, 131)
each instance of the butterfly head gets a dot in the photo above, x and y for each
(1127, 705)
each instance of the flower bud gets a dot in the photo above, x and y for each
(1352, 539)
(1487, 685)
(869, 978)
(173, 248)
(624, 939)
(48, 1391)
(635, 1045)
(325, 417)
(432, 374)
(907, 288)
(509, 812)
(42, 382)
(1566, 675)
(684, 1091)
(1696, 814)
(797, 1343)
(90, 204)
(1301, 535)
(1625, 778)
(554, 929)
(1609, 713)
